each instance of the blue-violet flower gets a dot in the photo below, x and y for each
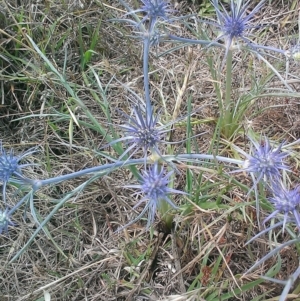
(154, 186)
(265, 162)
(237, 24)
(154, 10)
(286, 202)
(142, 132)
(10, 166)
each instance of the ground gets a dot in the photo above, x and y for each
(82, 257)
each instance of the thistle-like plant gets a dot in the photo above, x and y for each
(10, 167)
(286, 202)
(233, 26)
(154, 188)
(265, 162)
(236, 24)
(142, 132)
(155, 9)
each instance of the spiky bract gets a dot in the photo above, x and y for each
(154, 10)
(142, 132)
(154, 188)
(237, 24)
(285, 202)
(10, 166)
(266, 162)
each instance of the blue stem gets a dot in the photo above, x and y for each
(146, 76)
(187, 157)
(36, 184)
(39, 183)
(255, 46)
(14, 208)
(194, 41)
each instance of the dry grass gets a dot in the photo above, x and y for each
(89, 261)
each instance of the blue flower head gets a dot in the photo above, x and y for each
(5, 221)
(154, 10)
(265, 162)
(233, 26)
(154, 188)
(142, 132)
(10, 166)
(285, 202)
(237, 24)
